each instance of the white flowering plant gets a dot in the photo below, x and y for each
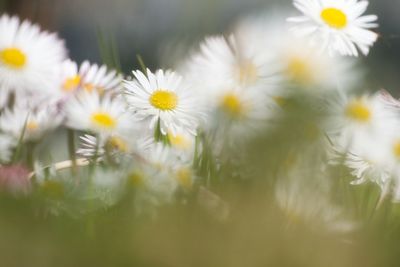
(265, 134)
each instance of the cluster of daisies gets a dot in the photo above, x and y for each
(155, 131)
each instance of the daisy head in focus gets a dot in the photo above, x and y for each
(88, 77)
(30, 59)
(103, 115)
(337, 26)
(163, 98)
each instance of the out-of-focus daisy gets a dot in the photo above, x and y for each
(303, 194)
(89, 77)
(238, 112)
(30, 59)
(105, 147)
(90, 112)
(300, 66)
(366, 160)
(7, 143)
(336, 25)
(153, 176)
(235, 61)
(352, 118)
(32, 122)
(163, 97)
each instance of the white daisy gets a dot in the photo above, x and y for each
(89, 77)
(106, 147)
(33, 121)
(163, 98)
(240, 112)
(153, 176)
(352, 118)
(30, 59)
(232, 62)
(303, 192)
(308, 204)
(301, 68)
(336, 25)
(106, 115)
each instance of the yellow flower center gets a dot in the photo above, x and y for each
(232, 105)
(334, 17)
(247, 72)
(299, 70)
(71, 83)
(13, 57)
(184, 177)
(104, 120)
(117, 143)
(32, 126)
(396, 149)
(164, 100)
(358, 110)
(179, 140)
(136, 179)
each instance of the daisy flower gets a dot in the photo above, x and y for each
(299, 65)
(351, 118)
(236, 61)
(31, 121)
(89, 77)
(162, 97)
(30, 59)
(153, 176)
(307, 204)
(303, 193)
(111, 146)
(239, 112)
(105, 116)
(336, 25)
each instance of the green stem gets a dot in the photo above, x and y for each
(71, 149)
(141, 63)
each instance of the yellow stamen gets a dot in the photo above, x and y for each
(299, 70)
(358, 110)
(179, 140)
(164, 100)
(396, 149)
(184, 177)
(231, 104)
(334, 17)
(71, 83)
(13, 57)
(32, 126)
(104, 120)
(136, 179)
(117, 143)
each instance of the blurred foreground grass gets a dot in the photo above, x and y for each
(239, 224)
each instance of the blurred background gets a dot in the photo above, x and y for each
(160, 30)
